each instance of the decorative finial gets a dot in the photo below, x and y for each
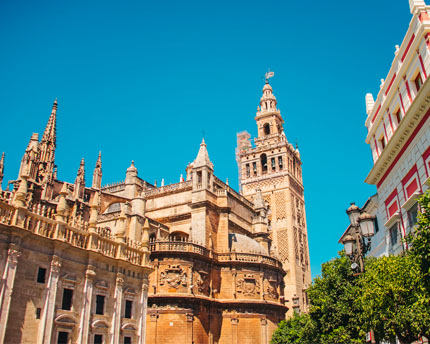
(269, 75)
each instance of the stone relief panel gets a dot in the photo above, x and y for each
(248, 285)
(201, 281)
(173, 276)
(283, 245)
(270, 288)
(281, 209)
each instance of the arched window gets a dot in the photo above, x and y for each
(263, 159)
(266, 128)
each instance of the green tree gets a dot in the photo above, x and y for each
(419, 240)
(394, 299)
(297, 329)
(333, 307)
(333, 315)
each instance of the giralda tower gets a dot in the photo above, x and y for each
(273, 166)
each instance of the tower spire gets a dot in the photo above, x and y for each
(1, 169)
(49, 135)
(47, 148)
(97, 174)
(202, 158)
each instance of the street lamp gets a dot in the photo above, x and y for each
(357, 238)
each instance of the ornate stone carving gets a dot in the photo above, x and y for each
(271, 290)
(173, 276)
(12, 255)
(248, 285)
(90, 272)
(55, 264)
(201, 280)
(119, 280)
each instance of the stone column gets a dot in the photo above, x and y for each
(143, 310)
(116, 316)
(47, 320)
(263, 322)
(8, 281)
(190, 319)
(154, 320)
(86, 307)
(234, 325)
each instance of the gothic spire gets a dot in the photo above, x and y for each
(47, 148)
(203, 157)
(1, 169)
(97, 174)
(49, 135)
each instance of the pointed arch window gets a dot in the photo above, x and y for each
(263, 159)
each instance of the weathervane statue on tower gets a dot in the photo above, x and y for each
(269, 75)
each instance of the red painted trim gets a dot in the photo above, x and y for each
(423, 16)
(401, 102)
(399, 155)
(408, 90)
(407, 48)
(391, 123)
(393, 209)
(385, 131)
(376, 113)
(411, 188)
(425, 156)
(389, 86)
(376, 146)
(427, 41)
(390, 198)
(422, 65)
(406, 178)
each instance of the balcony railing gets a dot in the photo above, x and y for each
(96, 239)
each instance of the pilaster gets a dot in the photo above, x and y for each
(8, 282)
(86, 308)
(47, 320)
(116, 315)
(143, 311)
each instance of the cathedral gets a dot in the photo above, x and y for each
(130, 262)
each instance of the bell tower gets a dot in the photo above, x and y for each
(272, 167)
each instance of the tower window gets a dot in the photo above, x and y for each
(41, 275)
(266, 128)
(127, 340)
(63, 338)
(248, 170)
(273, 164)
(263, 159)
(254, 168)
(128, 309)
(418, 81)
(100, 304)
(98, 339)
(199, 177)
(67, 299)
(280, 162)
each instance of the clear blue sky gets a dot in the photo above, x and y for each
(142, 79)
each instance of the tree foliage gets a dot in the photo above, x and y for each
(297, 329)
(333, 316)
(393, 298)
(333, 309)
